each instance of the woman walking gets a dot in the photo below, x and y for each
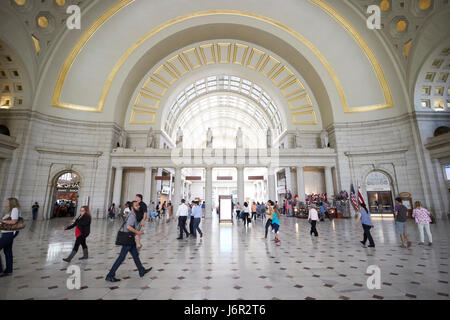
(423, 220)
(366, 222)
(253, 211)
(7, 239)
(82, 227)
(245, 214)
(238, 211)
(269, 217)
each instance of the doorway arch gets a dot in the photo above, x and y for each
(379, 190)
(65, 194)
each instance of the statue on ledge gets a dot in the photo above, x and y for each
(179, 141)
(269, 138)
(324, 139)
(150, 138)
(239, 139)
(297, 139)
(123, 139)
(209, 138)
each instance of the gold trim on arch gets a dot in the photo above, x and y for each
(389, 103)
(123, 3)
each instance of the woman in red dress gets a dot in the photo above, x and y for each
(82, 227)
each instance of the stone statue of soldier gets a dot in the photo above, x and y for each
(179, 142)
(324, 139)
(150, 138)
(269, 138)
(239, 139)
(298, 139)
(209, 138)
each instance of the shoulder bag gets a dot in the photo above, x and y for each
(125, 238)
(19, 225)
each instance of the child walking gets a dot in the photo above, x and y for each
(275, 225)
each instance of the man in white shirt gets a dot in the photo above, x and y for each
(313, 217)
(182, 214)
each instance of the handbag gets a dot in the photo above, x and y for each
(19, 225)
(125, 238)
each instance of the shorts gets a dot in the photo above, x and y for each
(400, 227)
(275, 228)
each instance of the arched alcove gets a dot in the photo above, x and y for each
(378, 185)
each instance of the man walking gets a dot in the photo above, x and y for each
(34, 210)
(197, 215)
(400, 213)
(130, 225)
(141, 217)
(182, 214)
(313, 217)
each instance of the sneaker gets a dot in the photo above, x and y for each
(179, 238)
(112, 279)
(363, 244)
(372, 246)
(402, 246)
(430, 244)
(421, 243)
(146, 271)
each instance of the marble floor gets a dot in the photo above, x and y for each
(233, 262)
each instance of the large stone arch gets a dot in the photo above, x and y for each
(54, 174)
(363, 95)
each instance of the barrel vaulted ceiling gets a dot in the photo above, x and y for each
(43, 25)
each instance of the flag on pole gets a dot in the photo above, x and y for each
(360, 197)
(353, 198)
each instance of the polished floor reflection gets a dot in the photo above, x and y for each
(232, 262)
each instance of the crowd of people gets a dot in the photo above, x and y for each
(64, 208)
(136, 213)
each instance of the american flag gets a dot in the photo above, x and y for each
(353, 198)
(360, 197)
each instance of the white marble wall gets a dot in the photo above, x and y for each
(48, 146)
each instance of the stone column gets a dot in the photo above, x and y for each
(288, 180)
(153, 186)
(176, 200)
(117, 192)
(329, 183)
(271, 184)
(300, 184)
(240, 185)
(147, 185)
(208, 192)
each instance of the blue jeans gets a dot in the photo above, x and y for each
(6, 243)
(34, 215)
(196, 226)
(123, 254)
